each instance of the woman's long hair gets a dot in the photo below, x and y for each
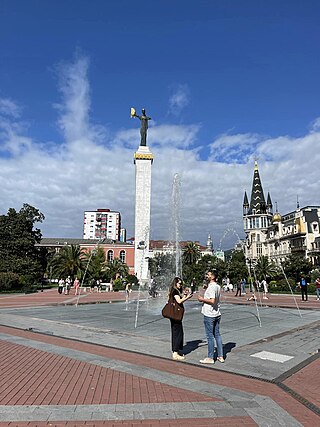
(174, 285)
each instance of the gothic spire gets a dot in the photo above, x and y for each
(269, 203)
(257, 203)
(245, 200)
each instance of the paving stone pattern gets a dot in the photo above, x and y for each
(65, 374)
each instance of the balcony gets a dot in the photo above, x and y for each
(298, 249)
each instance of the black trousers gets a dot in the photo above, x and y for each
(238, 291)
(304, 292)
(176, 335)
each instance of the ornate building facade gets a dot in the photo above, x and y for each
(277, 236)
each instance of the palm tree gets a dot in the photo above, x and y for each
(191, 253)
(68, 262)
(95, 263)
(116, 267)
(266, 268)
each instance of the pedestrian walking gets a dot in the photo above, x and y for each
(211, 318)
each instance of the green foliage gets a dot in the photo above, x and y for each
(9, 281)
(296, 265)
(237, 267)
(282, 286)
(116, 268)
(198, 270)
(162, 267)
(118, 285)
(94, 263)
(311, 288)
(265, 268)
(68, 262)
(314, 275)
(191, 253)
(18, 253)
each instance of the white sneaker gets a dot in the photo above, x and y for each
(207, 361)
(176, 356)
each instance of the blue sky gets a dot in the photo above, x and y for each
(224, 82)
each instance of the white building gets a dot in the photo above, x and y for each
(277, 236)
(102, 223)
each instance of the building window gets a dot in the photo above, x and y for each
(123, 256)
(259, 249)
(110, 256)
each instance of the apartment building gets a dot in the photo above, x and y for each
(102, 223)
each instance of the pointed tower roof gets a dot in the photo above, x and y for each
(209, 243)
(257, 202)
(245, 200)
(269, 203)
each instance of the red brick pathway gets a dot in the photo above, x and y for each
(300, 412)
(220, 422)
(34, 377)
(301, 381)
(51, 297)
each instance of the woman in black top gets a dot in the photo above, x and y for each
(176, 293)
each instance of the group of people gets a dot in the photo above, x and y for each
(64, 285)
(263, 285)
(211, 317)
(303, 284)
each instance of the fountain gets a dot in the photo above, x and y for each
(176, 221)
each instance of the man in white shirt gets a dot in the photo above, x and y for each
(211, 318)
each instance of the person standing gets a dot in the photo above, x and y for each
(76, 285)
(68, 285)
(176, 293)
(317, 283)
(304, 288)
(265, 288)
(243, 285)
(211, 318)
(60, 286)
(239, 287)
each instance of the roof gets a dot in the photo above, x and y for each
(257, 203)
(61, 241)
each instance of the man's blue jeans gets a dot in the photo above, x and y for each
(211, 325)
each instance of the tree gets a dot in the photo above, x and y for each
(191, 253)
(265, 268)
(116, 268)
(198, 270)
(68, 262)
(18, 237)
(162, 267)
(295, 266)
(94, 263)
(237, 267)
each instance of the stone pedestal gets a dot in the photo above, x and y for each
(143, 159)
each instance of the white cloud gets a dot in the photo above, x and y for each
(179, 136)
(315, 125)
(233, 148)
(179, 99)
(9, 108)
(63, 180)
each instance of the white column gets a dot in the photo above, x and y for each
(143, 159)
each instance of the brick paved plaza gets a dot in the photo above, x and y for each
(68, 361)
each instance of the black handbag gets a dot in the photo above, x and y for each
(173, 310)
